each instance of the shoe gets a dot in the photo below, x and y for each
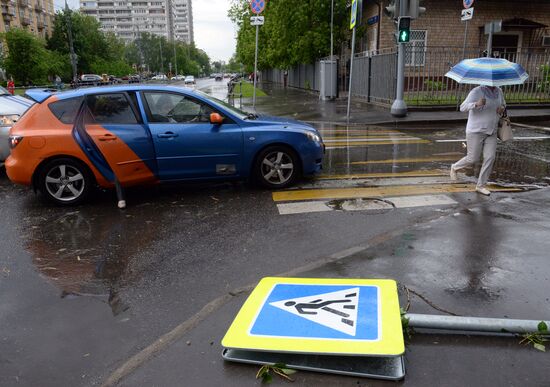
(483, 191)
(453, 173)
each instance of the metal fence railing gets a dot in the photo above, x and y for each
(375, 76)
(304, 76)
(426, 84)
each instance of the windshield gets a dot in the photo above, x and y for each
(3, 91)
(242, 114)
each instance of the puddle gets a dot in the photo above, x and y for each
(369, 150)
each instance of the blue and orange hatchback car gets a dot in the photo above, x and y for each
(68, 143)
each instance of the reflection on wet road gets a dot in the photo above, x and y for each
(380, 162)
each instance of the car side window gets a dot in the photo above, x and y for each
(176, 108)
(66, 110)
(111, 109)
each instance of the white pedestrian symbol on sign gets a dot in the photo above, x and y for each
(335, 310)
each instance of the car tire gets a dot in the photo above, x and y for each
(277, 167)
(65, 181)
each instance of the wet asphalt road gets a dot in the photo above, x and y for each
(83, 289)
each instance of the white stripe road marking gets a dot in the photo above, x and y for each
(302, 207)
(515, 138)
(355, 139)
(398, 202)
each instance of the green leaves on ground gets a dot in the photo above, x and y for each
(537, 339)
(266, 371)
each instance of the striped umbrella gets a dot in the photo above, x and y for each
(488, 71)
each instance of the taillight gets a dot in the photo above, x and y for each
(15, 140)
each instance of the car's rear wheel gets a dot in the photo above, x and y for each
(65, 181)
(277, 167)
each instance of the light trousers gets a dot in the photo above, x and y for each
(479, 143)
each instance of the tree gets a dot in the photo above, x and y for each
(28, 60)
(295, 31)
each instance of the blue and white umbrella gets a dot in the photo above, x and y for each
(488, 71)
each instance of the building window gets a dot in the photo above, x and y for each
(415, 50)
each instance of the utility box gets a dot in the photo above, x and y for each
(329, 88)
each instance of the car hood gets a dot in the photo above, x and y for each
(284, 120)
(13, 104)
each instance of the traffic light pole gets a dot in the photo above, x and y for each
(399, 107)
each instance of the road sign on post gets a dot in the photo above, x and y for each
(320, 320)
(467, 14)
(257, 20)
(467, 3)
(353, 16)
(257, 6)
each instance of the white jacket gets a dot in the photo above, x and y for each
(482, 119)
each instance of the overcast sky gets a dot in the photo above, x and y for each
(214, 32)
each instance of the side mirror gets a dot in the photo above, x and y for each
(216, 119)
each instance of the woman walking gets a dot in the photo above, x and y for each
(485, 105)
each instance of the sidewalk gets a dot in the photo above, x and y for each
(306, 106)
(494, 265)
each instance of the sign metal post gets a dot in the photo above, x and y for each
(352, 23)
(467, 14)
(257, 6)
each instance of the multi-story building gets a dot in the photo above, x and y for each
(128, 18)
(183, 25)
(35, 16)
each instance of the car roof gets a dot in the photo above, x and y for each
(41, 95)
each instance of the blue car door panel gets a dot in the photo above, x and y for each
(187, 145)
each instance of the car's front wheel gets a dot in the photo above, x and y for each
(277, 167)
(65, 181)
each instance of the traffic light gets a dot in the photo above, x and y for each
(392, 10)
(415, 10)
(404, 27)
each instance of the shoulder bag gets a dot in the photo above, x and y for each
(505, 128)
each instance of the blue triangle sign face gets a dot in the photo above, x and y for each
(319, 311)
(335, 310)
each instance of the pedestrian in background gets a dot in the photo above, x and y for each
(11, 86)
(485, 105)
(57, 82)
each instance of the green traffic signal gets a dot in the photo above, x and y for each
(404, 36)
(404, 26)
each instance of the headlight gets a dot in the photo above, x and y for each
(313, 137)
(8, 120)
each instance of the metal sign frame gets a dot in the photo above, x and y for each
(278, 324)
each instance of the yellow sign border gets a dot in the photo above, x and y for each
(390, 342)
(353, 16)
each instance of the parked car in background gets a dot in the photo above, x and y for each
(90, 80)
(149, 134)
(11, 108)
(189, 80)
(178, 78)
(136, 78)
(219, 77)
(160, 77)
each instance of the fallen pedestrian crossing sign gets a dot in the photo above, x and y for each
(307, 322)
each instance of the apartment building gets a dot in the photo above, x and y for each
(183, 24)
(35, 16)
(128, 18)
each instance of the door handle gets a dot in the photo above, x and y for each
(167, 135)
(107, 137)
